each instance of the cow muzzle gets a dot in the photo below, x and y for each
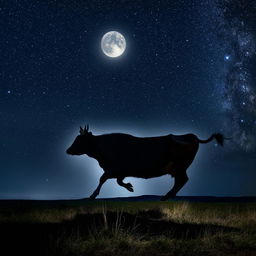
(68, 151)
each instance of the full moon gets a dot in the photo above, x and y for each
(113, 44)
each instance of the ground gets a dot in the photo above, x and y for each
(83, 227)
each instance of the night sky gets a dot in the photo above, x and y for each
(189, 67)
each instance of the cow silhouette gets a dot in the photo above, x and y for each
(123, 155)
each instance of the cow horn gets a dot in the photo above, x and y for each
(86, 128)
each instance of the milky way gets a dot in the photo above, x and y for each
(237, 30)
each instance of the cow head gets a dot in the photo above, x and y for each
(81, 144)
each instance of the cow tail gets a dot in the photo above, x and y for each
(217, 136)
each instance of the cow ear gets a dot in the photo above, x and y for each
(81, 130)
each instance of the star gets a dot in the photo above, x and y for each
(227, 57)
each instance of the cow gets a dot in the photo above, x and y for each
(122, 155)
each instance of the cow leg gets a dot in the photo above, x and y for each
(103, 178)
(179, 182)
(128, 186)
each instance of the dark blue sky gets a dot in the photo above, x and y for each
(174, 77)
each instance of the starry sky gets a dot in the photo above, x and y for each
(189, 66)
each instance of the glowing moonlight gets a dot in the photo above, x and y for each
(113, 44)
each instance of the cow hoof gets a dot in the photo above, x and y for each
(129, 185)
(163, 198)
(130, 189)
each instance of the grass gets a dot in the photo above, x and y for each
(130, 228)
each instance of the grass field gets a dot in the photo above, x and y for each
(128, 228)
